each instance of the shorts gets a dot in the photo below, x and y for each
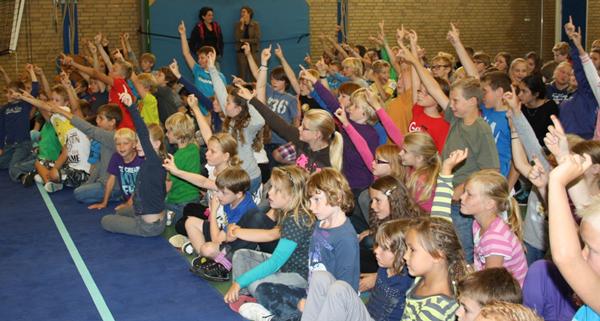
(287, 152)
(46, 163)
(73, 177)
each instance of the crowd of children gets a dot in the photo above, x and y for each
(369, 171)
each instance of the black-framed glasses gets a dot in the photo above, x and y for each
(381, 161)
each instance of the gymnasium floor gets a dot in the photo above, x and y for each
(57, 263)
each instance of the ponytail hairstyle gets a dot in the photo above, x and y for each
(402, 204)
(322, 121)
(493, 185)
(333, 184)
(438, 237)
(391, 153)
(423, 179)
(228, 145)
(390, 236)
(291, 180)
(158, 135)
(235, 125)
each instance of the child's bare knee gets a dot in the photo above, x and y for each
(209, 249)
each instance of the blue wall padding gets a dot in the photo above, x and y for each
(283, 22)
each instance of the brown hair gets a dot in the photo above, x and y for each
(335, 187)
(505, 311)
(235, 125)
(497, 79)
(157, 134)
(490, 284)
(205, 50)
(561, 48)
(61, 91)
(278, 73)
(149, 57)
(127, 68)
(391, 237)
(111, 112)
(292, 180)
(228, 145)
(402, 204)
(470, 87)
(348, 88)
(234, 179)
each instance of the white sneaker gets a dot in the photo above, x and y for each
(178, 240)
(38, 179)
(255, 312)
(187, 248)
(52, 187)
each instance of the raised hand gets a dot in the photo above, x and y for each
(537, 175)
(373, 100)
(29, 68)
(237, 80)
(244, 92)
(569, 27)
(278, 52)
(556, 140)
(98, 39)
(405, 54)
(456, 157)
(340, 113)
(265, 55)
(125, 97)
(453, 35)
(192, 102)
(307, 75)
(65, 60)
(181, 28)
(413, 38)
(400, 35)
(64, 79)
(174, 67)
(126, 36)
(169, 163)
(246, 48)
(512, 100)
(381, 26)
(211, 58)
(571, 167)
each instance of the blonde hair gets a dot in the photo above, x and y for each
(228, 145)
(292, 180)
(591, 213)
(514, 63)
(182, 127)
(391, 153)
(355, 64)
(335, 187)
(157, 134)
(126, 133)
(147, 80)
(470, 87)
(447, 57)
(380, 65)
(321, 121)
(423, 179)
(149, 57)
(391, 237)
(493, 185)
(127, 68)
(359, 100)
(505, 311)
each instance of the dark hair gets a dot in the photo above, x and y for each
(16, 85)
(402, 204)
(444, 85)
(250, 11)
(470, 51)
(497, 79)
(348, 88)
(205, 50)
(203, 11)
(536, 85)
(111, 112)
(234, 179)
(279, 74)
(169, 76)
(537, 61)
(482, 57)
(361, 50)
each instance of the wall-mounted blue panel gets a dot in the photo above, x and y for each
(283, 22)
(577, 10)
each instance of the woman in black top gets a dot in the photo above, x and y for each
(207, 32)
(536, 107)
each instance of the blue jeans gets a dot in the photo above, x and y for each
(94, 193)
(464, 229)
(533, 254)
(177, 208)
(13, 155)
(281, 300)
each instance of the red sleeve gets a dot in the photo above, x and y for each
(113, 97)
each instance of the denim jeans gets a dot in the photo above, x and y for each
(533, 254)
(177, 208)
(13, 155)
(94, 193)
(464, 229)
(281, 300)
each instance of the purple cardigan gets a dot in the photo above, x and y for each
(356, 171)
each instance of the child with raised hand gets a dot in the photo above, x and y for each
(330, 299)
(146, 216)
(287, 265)
(181, 132)
(481, 288)
(116, 80)
(204, 80)
(145, 85)
(333, 248)
(242, 121)
(318, 145)
(15, 140)
(467, 130)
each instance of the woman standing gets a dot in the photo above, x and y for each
(207, 32)
(246, 30)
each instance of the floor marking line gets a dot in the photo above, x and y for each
(91, 286)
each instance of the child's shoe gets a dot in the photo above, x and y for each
(187, 248)
(255, 312)
(27, 179)
(52, 187)
(215, 272)
(178, 240)
(38, 179)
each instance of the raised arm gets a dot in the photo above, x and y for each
(205, 102)
(442, 200)
(359, 142)
(203, 124)
(88, 70)
(4, 75)
(250, 58)
(185, 49)
(130, 53)
(428, 81)
(289, 72)
(261, 80)
(43, 80)
(564, 239)
(415, 80)
(388, 124)
(138, 86)
(277, 124)
(194, 178)
(98, 42)
(73, 99)
(140, 126)
(465, 59)
(217, 82)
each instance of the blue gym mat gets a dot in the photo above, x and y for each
(138, 278)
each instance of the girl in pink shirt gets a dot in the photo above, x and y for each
(497, 243)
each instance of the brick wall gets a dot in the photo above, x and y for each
(593, 21)
(44, 42)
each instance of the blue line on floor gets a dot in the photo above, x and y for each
(91, 286)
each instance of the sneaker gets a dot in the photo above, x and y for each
(178, 240)
(38, 179)
(255, 312)
(187, 248)
(243, 299)
(27, 179)
(200, 261)
(170, 216)
(215, 272)
(52, 187)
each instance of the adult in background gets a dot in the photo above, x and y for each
(207, 32)
(246, 30)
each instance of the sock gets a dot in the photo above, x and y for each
(220, 258)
